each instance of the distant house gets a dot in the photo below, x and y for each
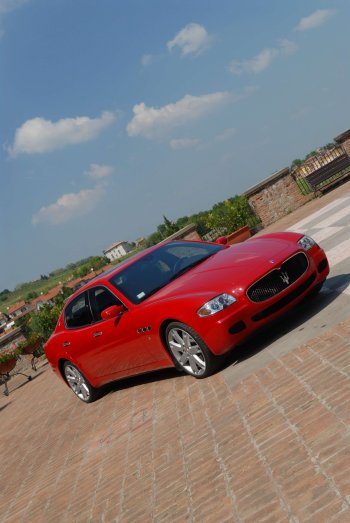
(46, 299)
(19, 309)
(140, 241)
(3, 320)
(117, 250)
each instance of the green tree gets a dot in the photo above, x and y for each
(170, 227)
(42, 323)
(231, 214)
(31, 295)
(153, 239)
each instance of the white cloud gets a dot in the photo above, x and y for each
(38, 135)
(10, 5)
(147, 59)
(250, 89)
(261, 61)
(69, 206)
(227, 134)
(151, 122)
(97, 172)
(192, 39)
(286, 47)
(184, 143)
(255, 65)
(316, 19)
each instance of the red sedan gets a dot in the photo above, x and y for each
(181, 304)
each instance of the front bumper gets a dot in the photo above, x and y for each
(237, 322)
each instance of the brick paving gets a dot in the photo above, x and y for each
(169, 448)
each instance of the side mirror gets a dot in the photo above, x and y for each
(112, 312)
(222, 240)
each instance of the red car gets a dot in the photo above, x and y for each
(182, 304)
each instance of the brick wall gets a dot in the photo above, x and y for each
(276, 196)
(344, 140)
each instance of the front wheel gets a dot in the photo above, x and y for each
(78, 383)
(189, 351)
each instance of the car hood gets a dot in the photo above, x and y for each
(233, 268)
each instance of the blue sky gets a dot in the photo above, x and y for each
(113, 113)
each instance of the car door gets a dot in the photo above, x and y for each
(76, 338)
(116, 346)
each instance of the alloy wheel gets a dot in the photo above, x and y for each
(77, 382)
(186, 351)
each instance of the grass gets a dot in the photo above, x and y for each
(38, 286)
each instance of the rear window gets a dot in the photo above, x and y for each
(77, 312)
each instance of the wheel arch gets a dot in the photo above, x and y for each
(162, 330)
(61, 363)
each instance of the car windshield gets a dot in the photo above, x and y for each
(155, 270)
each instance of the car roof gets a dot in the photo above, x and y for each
(101, 278)
(106, 275)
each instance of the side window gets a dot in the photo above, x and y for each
(101, 298)
(78, 313)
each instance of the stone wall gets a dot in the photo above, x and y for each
(344, 140)
(276, 196)
(187, 233)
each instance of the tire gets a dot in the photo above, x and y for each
(315, 291)
(78, 383)
(189, 352)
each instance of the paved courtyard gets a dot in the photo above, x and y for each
(267, 439)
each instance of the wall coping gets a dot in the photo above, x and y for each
(268, 181)
(181, 233)
(342, 137)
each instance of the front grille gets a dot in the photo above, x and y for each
(279, 279)
(286, 299)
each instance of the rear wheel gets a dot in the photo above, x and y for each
(78, 383)
(189, 351)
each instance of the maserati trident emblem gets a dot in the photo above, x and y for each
(285, 277)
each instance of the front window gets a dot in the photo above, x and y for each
(155, 270)
(101, 299)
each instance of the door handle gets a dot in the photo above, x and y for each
(66, 343)
(97, 334)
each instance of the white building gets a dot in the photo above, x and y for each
(117, 250)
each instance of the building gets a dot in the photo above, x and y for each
(117, 250)
(3, 319)
(46, 299)
(19, 309)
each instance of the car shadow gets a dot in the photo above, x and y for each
(141, 379)
(289, 321)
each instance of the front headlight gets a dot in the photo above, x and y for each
(216, 305)
(306, 242)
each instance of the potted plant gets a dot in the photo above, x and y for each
(30, 345)
(8, 360)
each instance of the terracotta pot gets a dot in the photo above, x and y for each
(31, 347)
(7, 366)
(239, 236)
